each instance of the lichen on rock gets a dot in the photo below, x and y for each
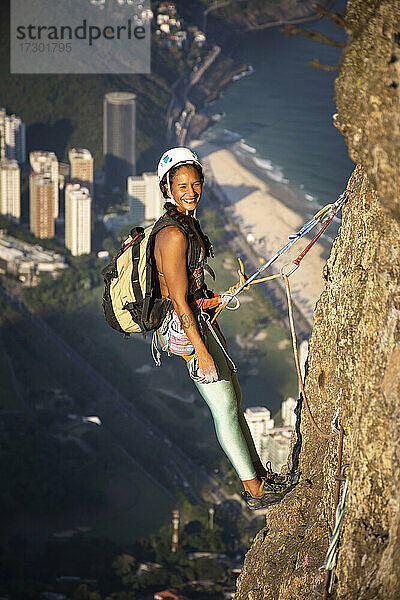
(354, 354)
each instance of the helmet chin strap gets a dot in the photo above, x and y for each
(171, 198)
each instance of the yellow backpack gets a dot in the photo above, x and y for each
(131, 303)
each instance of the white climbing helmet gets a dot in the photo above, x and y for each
(176, 156)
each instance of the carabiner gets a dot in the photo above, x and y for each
(227, 298)
(291, 271)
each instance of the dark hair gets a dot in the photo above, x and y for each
(173, 172)
(173, 212)
(177, 215)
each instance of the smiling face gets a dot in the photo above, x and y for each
(186, 187)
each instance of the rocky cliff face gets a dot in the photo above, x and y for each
(354, 357)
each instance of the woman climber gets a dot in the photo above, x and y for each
(181, 250)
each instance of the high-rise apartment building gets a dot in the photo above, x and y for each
(259, 421)
(3, 114)
(275, 445)
(14, 136)
(145, 198)
(77, 219)
(287, 412)
(81, 162)
(41, 205)
(10, 194)
(46, 163)
(119, 138)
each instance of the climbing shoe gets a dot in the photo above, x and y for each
(271, 493)
(273, 488)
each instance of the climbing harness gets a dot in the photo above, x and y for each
(177, 344)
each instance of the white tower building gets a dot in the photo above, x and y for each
(81, 162)
(145, 198)
(275, 445)
(175, 530)
(77, 219)
(10, 194)
(287, 411)
(47, 164)
(14, 134)
(259, 421)
(3, 114)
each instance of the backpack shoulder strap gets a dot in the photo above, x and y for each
(167, 221)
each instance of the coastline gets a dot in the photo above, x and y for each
(262, 205)
(213, 80)
(270, 213)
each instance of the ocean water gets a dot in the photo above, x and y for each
(278, 118)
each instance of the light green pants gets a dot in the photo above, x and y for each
(224, 399)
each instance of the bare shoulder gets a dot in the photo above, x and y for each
(171, 237)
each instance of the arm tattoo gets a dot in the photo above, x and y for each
(186, 321)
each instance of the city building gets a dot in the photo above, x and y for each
(145, 199)
(272, 443)
(175, 530)
(81, 162)
(259, 421)
(200, 39)
(13, 143)
(170, 594)
(10, 194)
(26, 261)
(287, 412)
(78, 204)
(3, 114)
(167, 7)
(147, 567)
(46, 163)
(41, 205)
(170, 27)
(212, 555)
(119, 138)
(274, 446)
(162, 18)
(165, 28)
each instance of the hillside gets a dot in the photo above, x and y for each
(354, 359)
(66, 111)
(256, 14)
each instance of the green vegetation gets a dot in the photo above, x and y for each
(123, 569)
(256, 13)
(47, 456)
(8, 397)
(24, 235)
(67, 110)
(65, 294)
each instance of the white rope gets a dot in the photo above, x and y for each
(331, 555)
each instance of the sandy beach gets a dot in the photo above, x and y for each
(270, 213)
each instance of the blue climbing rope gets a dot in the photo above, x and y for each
(322, 216)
